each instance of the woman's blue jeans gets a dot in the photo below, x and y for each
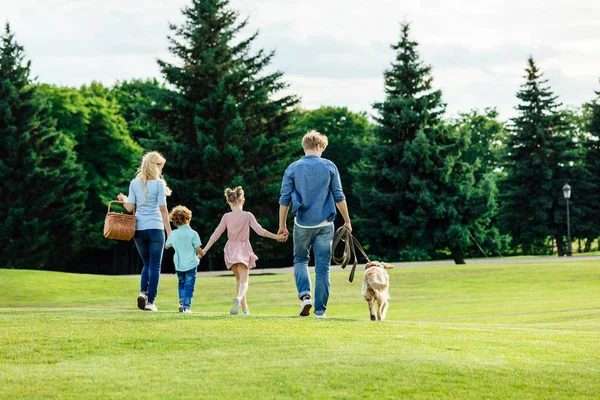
(150, 244)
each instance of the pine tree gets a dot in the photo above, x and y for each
(590, 144)
(539, 160)
(43, 188)
(226, 116)
(419, 196)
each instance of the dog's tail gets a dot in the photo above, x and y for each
(378, 285)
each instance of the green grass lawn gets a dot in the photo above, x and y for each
(477, 331)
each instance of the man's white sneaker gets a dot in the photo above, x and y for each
(150, 307)
(187, 311)
(320, 316)
(141, 300)
(305, 307)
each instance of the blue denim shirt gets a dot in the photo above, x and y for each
(312, 186)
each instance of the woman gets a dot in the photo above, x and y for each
(147, 195)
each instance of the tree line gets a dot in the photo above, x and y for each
(420, 185)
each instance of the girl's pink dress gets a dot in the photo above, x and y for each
(238, 248)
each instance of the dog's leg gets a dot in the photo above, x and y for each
(379, 310)
(384, 311)
(371, 310)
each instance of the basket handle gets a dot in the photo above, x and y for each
(117, 202)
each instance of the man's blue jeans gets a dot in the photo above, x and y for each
(320, 240)
(187, 282)
(150, 244)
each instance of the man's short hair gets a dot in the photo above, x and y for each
(313, 139)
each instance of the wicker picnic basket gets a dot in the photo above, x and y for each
(119, 226)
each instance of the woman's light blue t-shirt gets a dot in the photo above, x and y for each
(147, 213)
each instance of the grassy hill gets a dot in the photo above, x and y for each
(476, 331)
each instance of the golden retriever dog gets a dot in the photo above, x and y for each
(375, 285)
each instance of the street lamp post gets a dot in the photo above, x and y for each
(567, 192)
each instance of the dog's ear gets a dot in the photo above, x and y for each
(370, 264)
(387, 266)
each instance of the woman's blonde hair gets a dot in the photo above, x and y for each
(180, 215)
(313, 139)
(149, 170)
(234, 195)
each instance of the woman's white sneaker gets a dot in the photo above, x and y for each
(141, 300)
(150, 307)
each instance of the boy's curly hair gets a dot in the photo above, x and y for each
(180, 215)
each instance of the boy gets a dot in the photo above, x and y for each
(188, 252)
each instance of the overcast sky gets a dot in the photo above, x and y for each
(333, 52)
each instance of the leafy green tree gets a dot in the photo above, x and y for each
(138, 100)
(91, 118)
(419, 195)
(540, 155)
(43, 189)
(226, 116)
(487, 136)
(347, 133)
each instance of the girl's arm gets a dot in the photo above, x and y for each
(262, 231)
(216, 235)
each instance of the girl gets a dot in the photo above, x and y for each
(147, 195)
(239, 256)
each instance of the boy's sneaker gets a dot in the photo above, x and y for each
(305, 307)
(320, 316)
(187, 311)
(235, 307)
(141, 300)
(180, 307)
(150, 307)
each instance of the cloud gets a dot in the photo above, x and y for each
(333, 52)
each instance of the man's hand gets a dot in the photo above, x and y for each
(348, 225)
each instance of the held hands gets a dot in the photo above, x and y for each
(200, 252)
(282, 235)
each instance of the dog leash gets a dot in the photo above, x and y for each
(344, 234)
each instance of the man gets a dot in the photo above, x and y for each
(312, 186)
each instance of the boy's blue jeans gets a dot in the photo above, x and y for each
(150, 244)
(187, 282)
(320, 240)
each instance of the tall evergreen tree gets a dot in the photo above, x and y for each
(590, 145)
(419, 195)
(539, 160)
(43, 189)
(226, 116)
